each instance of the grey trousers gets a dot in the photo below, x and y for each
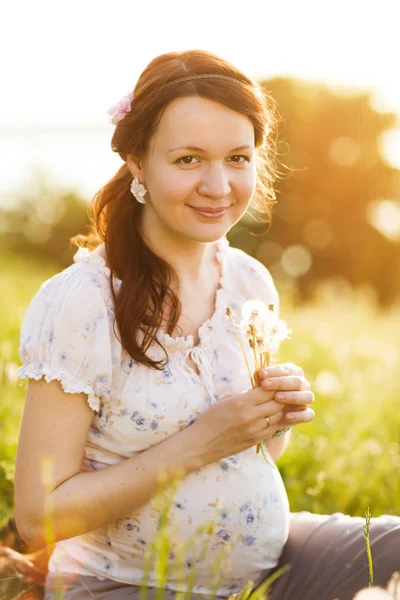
(326, 553)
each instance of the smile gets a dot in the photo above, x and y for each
(208, 214)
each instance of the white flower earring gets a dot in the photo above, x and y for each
(138, 190)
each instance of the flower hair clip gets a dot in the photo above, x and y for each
(121, 109)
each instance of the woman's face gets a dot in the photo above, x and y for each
(201, 156)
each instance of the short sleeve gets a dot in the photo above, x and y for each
(65, 335)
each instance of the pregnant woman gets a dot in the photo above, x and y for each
(133, 366)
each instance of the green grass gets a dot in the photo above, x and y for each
(348, 458)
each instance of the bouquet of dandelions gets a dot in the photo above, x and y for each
(264, 332)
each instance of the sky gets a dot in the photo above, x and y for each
(65, 63)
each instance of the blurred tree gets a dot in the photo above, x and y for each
(41, 223)
(322, 224)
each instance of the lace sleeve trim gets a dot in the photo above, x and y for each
(68, 383)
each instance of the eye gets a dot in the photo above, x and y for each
(182, 160)
(246, 158)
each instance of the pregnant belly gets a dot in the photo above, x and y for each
(242, 496)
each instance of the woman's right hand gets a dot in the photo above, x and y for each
(236, 423)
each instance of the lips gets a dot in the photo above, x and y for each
(209, 213)
(208, 209)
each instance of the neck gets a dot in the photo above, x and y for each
(191, 260)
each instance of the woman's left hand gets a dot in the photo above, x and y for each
(292, 389)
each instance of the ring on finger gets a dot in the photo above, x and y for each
(267, 421)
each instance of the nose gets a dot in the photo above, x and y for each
(215, 182)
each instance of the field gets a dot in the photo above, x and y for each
(346, 460)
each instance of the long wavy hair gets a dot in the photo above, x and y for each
(114, 214)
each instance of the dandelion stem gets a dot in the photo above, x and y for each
(264, 363)
(264, 455)
(229, 314)
(265, 359)
(257, 366)
(241, 346)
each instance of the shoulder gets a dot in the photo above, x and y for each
(244, 265)
(88, 275)
(75, 294)
(251, 277)
(242, 260)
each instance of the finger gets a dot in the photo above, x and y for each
(294, 408)
(304, 416)
(291, 408)
(304, 397)
(279, 370)
(288, 383)
(258, 396)
(266, 409)
(273, 420)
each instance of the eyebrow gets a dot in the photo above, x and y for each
(197, 149)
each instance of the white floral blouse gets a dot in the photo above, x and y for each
(67, 334)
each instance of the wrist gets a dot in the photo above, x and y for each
(277, 444)
(281, 431)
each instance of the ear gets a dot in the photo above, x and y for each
(134, 165)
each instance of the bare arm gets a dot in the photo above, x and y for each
(55, 424)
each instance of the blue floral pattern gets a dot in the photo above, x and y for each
(67, 334)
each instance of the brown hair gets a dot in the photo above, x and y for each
(115, 215)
